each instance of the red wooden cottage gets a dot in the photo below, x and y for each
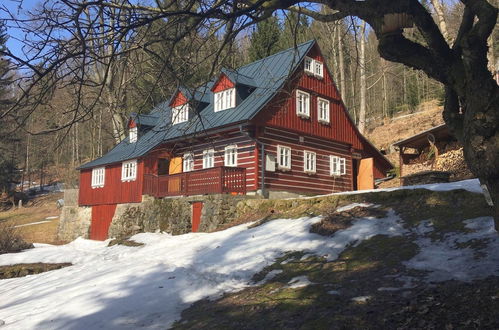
(274, 125)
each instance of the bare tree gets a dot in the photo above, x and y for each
(65, 36)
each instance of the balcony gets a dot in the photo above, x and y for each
(216, 180)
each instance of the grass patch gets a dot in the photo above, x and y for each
(21, 270)
(334, 221)
(35, 211)
(125, 242)
(359, 270)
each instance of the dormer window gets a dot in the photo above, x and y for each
(313, 67)
(180, 114)
(225, 99)
(133, 134)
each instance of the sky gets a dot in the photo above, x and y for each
(17, 8)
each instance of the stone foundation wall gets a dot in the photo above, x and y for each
(74, 222)
(173, 215)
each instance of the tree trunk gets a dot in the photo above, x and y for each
(480, 135)
(439, 12)
(341, 59)
(363, 87)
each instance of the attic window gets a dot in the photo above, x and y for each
(225, 99)
(133, 134)
(180, 114)
(313, 67)
(309, 65)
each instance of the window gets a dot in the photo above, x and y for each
(337, 165)
(308, 65)
(302, 104)
(318, 68)
(283, 158)
(98, 176)
(133, 134)
(129, 170)
(230, 158)
(180, 114)
(343, 166)
(313, 67)
(323, 110)
(309, 161)
(225, 99)
(208, 158)
(188, 162)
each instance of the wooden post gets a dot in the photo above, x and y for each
(401, 163)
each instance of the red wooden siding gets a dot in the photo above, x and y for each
(178, 99)
(197, 208)
(102, 215)
(296, 179)
(245, 154)
(281, 111)
(114, 191)
(222, 83)
(132, 123)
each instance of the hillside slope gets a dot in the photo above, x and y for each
(376, 259)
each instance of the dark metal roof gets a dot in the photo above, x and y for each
(267, 75)
(420, 140)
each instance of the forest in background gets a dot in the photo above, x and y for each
(41, 143)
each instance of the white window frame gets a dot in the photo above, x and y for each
(283, 158)
(225, 99)
(133, 134)
(180, 113)
(318, 69)
(308, 65)
(343, 166)
(313, 67)
(208, 158)
(323, 113)
(129, 170)
(302, 105)
(337, 166)
(188, 162)
(309, 162)
(230, 155)
(98, 177)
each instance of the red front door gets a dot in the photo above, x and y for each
(102, 215)
(197, 207)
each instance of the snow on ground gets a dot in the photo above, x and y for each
(299, 282)
(128, 287)
(471, 185)
(450, 258)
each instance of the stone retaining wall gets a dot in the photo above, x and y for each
(173, 215)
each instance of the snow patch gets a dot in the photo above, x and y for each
(299, 282)
(116, 287)
(352, 206)
(445, 260)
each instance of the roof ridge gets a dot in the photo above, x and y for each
(278, 53)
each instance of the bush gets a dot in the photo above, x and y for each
(11, 241)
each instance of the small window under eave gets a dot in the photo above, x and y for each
(224, 93)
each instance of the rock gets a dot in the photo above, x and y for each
(2, 322)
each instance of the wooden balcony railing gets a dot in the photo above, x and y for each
(216, 180)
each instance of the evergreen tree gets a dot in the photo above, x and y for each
(264, 41)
